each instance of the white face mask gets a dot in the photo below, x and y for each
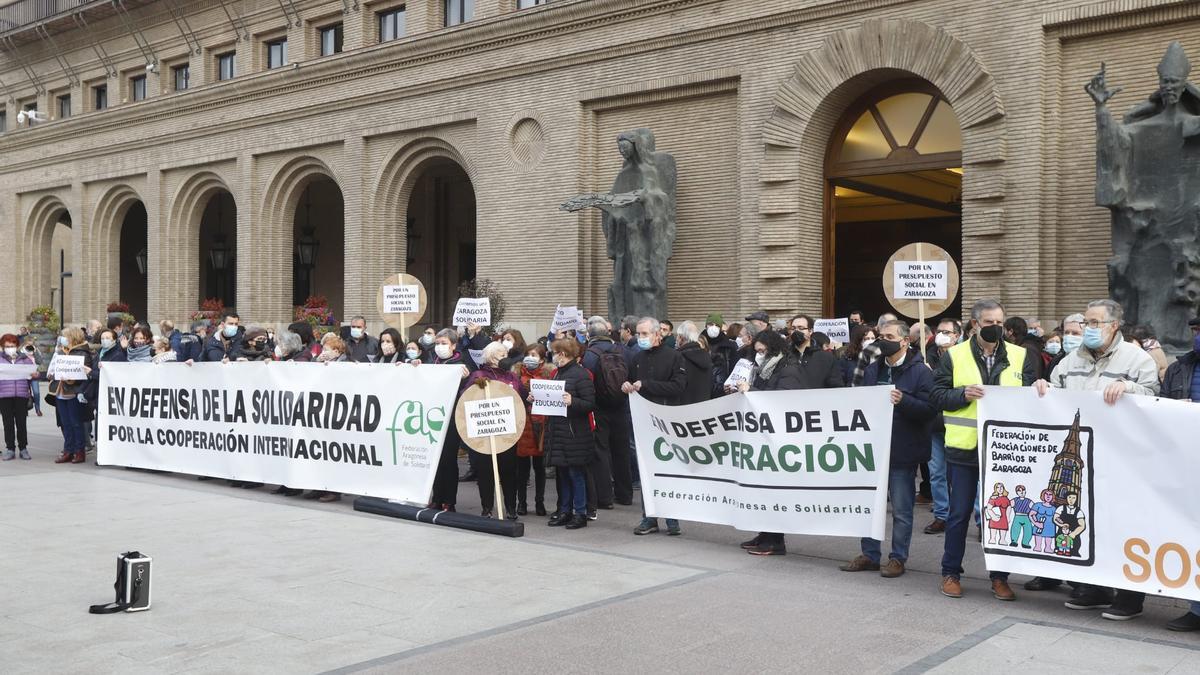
(443, 351)
(942, 340)
(278, 352)
(713, 331)
(426, 339)
(508, 344)
(760, 359)
(740, 342)
(531, 362)
(868, 341)
(387, 348)
(10, 352)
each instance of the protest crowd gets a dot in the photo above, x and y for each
(590, 454)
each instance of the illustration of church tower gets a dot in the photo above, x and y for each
(1067, 474)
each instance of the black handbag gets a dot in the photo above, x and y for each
(132, 585)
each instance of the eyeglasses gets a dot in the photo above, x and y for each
(1096, 324)
(947, 332)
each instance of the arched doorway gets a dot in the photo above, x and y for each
(134, 260)
(218, 250)
(894, 177)
(441, 234)
(318, 257)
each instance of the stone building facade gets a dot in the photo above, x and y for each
(446, 150)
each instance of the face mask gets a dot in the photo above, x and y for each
(991, 334)
(426, 339)
(387, 348)
(644, 343)
(868, 342)
(412, 354)
(1093, 338)
(230, 331)
(1053, 348)
(62, 341)
(139, 343)
(443, 351)
(278, 352)
(739, 342)
(530, 362)
(888, 347)
(11, 352)
(1071, 342)
(108, 343)
(356, 333)
(798, 339)
(508, 344)
(942, 340)
(713, 331)
(760, 359)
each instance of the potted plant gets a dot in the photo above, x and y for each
(117, 309)
(211, 310)
(43, 319)
(315, 311)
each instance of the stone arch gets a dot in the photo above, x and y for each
(36, 261)
(182, 234)
(394, 186)
(806, 109)
(107, 220)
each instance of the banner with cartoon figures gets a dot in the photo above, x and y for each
(357, 428)
(804, 462)
(1076, 489)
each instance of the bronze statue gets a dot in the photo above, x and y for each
(639, 226)
(1148, 175)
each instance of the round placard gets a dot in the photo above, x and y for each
(920, 252)
(489, 445)
(402, 321)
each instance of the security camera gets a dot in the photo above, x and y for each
(31, 116)
(152, 67)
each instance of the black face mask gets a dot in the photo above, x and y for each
(798, 340)
(992, 334)
(887, 347)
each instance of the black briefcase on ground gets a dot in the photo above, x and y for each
(132, 585)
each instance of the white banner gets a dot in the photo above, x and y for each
(64, 367)
(358, 428)
(742, 371)
(567, 317)
(806, 462)
(838, 330)
(920, 280)
(490, 417)
(476, 311)
(17, 371)
(548, 397)
(1102, 494)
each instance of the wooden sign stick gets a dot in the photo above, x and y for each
(921, 305)
(487, 396)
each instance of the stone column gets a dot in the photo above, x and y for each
(363, 268)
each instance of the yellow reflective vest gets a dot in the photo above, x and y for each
(962, 424)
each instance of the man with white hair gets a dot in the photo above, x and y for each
(1104, 362)
(697, 361)
(611, 473)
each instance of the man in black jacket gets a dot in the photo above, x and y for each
(696, 361)
(610, 472)
(659, 375)
(225, 344)
(722, 347)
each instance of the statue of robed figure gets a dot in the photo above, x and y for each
(639, 226)
(1148, 175)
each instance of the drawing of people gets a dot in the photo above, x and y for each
(997, 514)
(1073, 519)
(1063, 543)
(1022, 526)
(1042, 515)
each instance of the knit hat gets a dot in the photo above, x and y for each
(715, 318)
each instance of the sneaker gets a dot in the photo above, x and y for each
(1002, 591)
(10, 455)
(577, 522)
(951, 587)
(591, 515)
(936, 527)
(673, 530)
(892, 569)
(1185, 624)
(559, 520)
(647, 526)
(752, 543)
(1116, 613)
(769, 548)
(860, 563)
(1042, 584)
(330, 497)
(1094, 599)
(25, 454)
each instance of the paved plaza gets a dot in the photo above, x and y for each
(248, 582)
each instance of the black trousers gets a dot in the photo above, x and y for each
(14, 409)
(506, 463)
(445, 480)
(612, 470)
(538, 467)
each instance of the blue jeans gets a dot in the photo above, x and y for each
(937, 478)
(964, 483)
(35, 389)
(70, 416)
(901, 494)
(1194, 608)
(574, 496)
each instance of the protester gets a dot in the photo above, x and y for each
(530, 454)
(162, 351)
(985, 359)
(140, 346)
(668, 333)
(445, 481)
(1145, 338)
(389, 348)
(304, 330)
(697, 362)
(1016, 332)
(360, 347)
(506, 462)
(92, 331)
(412, 352)
(949, 332)
(760, 320)
(721, 348)
(427, 340)
(514, 341)
(569, 442)
(255, 346)
(290, 347)
(745, 340)
(860, 336)
(333, 349)
(14, 400)
(69, 398)
(166, 329)
(191, 345)
(1105, 363)
(1053, 348)
(855, 317)
(610, 474)
(1072, 338)
(225, 345)
(660, 376)
(35, 383)
(912, 419)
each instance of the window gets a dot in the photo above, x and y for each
(331, 40)
(3, 122)
(277, 53)
(181, 75)
(225, 66)
(391, 24)
(459, 11)
(137, 87)
(526, 4)
(64, 106)
(101, 96)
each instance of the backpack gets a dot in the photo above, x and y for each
(189, 347)
(610, 374)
